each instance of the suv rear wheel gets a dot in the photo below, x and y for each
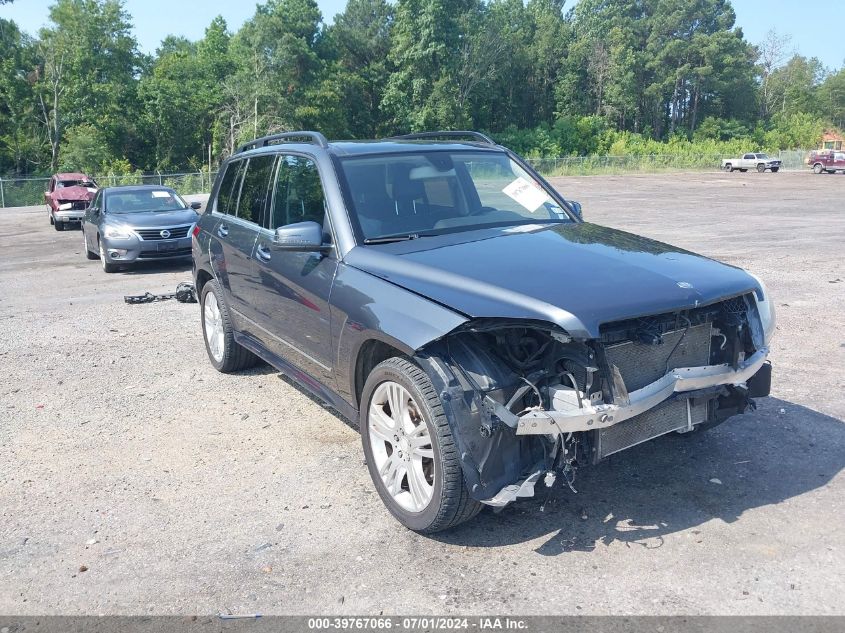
(410, 452)
(226, 354)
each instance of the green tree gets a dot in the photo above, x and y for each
(422, 91)
(361, 40)
(88, 72)
(20, 141)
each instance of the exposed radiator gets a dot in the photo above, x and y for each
(641, 364)
(664, 418)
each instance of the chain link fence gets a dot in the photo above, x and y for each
(19, 192)
(24, 192)
(646, 164)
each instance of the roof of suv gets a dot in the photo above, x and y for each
(359, 148)
(422, 141)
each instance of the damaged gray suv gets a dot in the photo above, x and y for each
(488, 341)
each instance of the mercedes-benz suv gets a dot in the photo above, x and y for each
(436, 289)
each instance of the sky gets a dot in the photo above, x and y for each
(815, 27)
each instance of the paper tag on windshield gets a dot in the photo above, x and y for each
(525, 194)
(161, 194)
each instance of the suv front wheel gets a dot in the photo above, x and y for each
(410, 452)
(226, 354)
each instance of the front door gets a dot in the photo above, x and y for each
(292, 301)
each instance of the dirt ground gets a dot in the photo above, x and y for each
(181, 490)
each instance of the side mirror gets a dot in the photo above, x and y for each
(301, 236)
(576, 209)
(196, 206)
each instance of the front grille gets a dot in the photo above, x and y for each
(664, 418)
(176, 232)
(77, 205)
(182, 252)
(641, 364)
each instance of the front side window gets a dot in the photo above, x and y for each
(441, 192)
(255, 188)
(297, 194)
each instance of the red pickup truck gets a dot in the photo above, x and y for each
(67, 197)
(827, 161)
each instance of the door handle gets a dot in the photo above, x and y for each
(263, 253)
(222, 230)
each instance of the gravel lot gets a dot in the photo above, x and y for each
(181, 490)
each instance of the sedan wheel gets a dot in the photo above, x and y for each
(410, 451)
(107, 267)
(85, 248)
(401, 446)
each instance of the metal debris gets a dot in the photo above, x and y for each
(185, 293)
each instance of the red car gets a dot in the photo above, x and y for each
(67, 196)
(827, 160)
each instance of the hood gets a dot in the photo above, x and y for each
(74, 193)
(576, 275)
(153, 219)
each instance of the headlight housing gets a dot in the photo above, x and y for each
(766, 310)
(117, 232)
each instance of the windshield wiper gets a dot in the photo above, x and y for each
(400, 237)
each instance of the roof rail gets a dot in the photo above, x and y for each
(476, 136)
(313, 137)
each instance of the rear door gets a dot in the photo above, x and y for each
(233, 237)
(293, 288)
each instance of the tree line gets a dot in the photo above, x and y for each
(607, 76)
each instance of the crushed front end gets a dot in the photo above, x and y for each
(528, 403)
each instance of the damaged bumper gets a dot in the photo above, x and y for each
(589, 416)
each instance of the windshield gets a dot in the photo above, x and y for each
(62, 184)
(429, 193)
(144, 201)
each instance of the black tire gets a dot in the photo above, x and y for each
(450, 503)
(235, 356)
(88, 253)
(761, 168)
(729, 168)
(817, 168)
(107, 266)
(775, 170)
(59, 226)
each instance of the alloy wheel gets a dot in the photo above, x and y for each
(214, 331)
(401, 445)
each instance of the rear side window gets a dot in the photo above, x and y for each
(298, 193)
(255, 189)
(227, 195)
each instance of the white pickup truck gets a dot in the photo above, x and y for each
(760, 162)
